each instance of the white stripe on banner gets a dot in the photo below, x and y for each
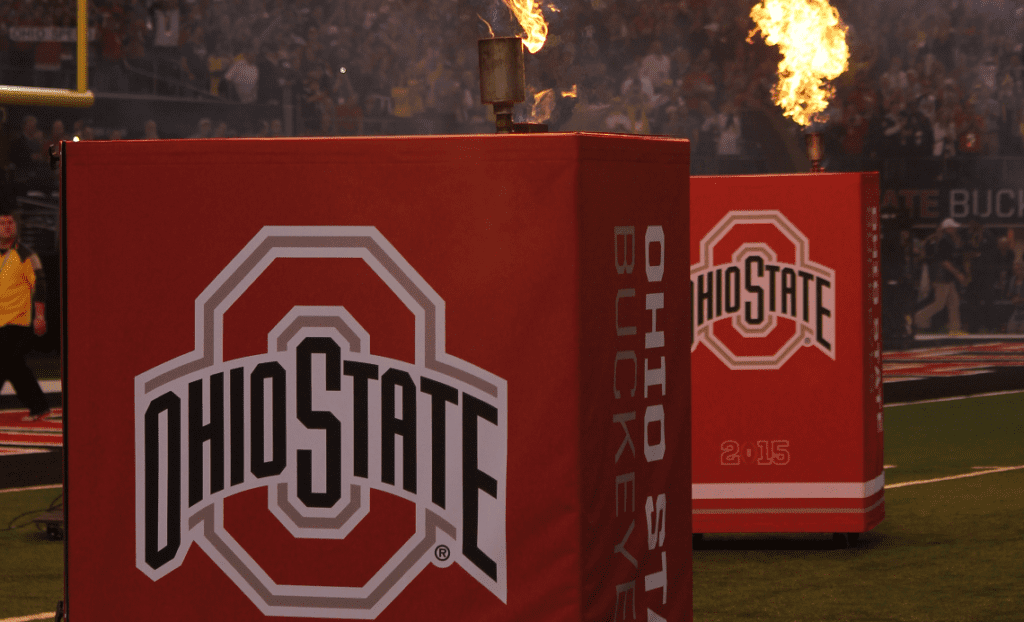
(815, 490)
(789, 511)
(48, 386)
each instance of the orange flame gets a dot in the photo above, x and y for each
(812, 39)
(570, 93)
(532, 20)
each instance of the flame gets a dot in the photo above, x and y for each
(570, 93)
(543, 106)
(812, 39)
(530, 17)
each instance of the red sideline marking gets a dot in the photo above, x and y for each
(950, 361)
(35, 426)
(16, 436)
(13, 417)
(31, 440)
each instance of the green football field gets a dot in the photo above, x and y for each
(947, 551)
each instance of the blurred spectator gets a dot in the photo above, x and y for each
(30, 161)
(194, 62)
(47, 52)
(166, 25)
(271, 79)
(110, 75)
(944, 275)
(725, 130)
(895, 127)
(244, 76)
(630, 112)
(943, 42)
(318, 109)
(443, 99)
(56, 135)
(894, 81)
(204, 129)
(26, 150)
(217, 64)
(654, 68)
(918, 138)
(970, 132)
(944, 134)
(149, 131)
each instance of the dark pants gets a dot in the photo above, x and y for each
(14, 344)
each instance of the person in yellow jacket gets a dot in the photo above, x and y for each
(22, 292)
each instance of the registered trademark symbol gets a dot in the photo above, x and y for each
(442, 553)
(807, 340)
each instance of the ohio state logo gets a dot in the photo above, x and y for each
(754, 274)
(316, 421)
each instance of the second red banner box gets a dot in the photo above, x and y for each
(787, 393)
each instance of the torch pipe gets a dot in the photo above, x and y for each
(815, 151)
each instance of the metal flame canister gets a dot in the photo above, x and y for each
(502, 78)
(815, 151)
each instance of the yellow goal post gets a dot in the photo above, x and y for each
(82, 97)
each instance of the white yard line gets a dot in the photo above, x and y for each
(943, 479)
(38, 616)
(938, 337)
(47, 487)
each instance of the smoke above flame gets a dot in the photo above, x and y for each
(544, 103)
(812, 39)
(543, 106)
(488, 24)
(530, 17)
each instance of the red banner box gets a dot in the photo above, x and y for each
(434, 378)
(786, 354)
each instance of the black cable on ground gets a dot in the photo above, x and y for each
(55, 504)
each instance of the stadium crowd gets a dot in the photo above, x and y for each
(931, 79)
(927, 78)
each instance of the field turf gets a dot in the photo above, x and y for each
(31, 564)
(948, 551)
